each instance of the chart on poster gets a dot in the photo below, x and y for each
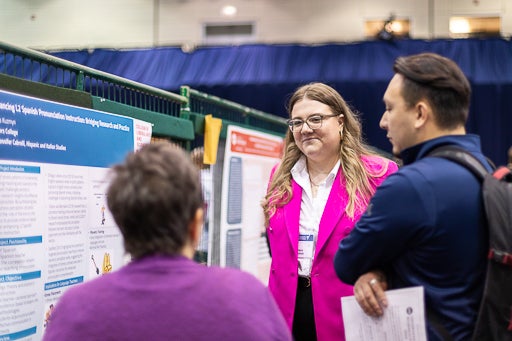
(55, 228)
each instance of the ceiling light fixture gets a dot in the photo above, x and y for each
(459, 25)
(229, 10)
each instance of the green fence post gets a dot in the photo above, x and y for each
(185, 107)
(80, 77)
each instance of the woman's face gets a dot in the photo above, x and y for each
(318, 144)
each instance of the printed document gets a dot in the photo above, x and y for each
(403, 319)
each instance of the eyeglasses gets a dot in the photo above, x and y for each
(313, 122)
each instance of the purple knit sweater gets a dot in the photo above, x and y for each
(168, 298)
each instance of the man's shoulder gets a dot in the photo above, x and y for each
(432, 175)
(414, 177)
(427, 166)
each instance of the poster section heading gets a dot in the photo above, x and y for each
(251, 143)
(41, 131)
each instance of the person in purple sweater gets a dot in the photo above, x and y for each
(162, 294)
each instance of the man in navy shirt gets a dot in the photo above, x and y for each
(425, 225)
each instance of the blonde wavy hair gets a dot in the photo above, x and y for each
(358, 178)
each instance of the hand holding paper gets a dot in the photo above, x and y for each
(369, 291)
(403, 319)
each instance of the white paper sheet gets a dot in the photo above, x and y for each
(403, 319)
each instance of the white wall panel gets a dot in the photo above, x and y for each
(54, 24)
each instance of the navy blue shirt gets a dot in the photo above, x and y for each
(425, 226)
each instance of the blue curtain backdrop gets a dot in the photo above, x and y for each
(263, 76)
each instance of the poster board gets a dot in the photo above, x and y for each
(55, 229)
(248, 160)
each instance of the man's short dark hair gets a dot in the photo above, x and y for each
(153, 196)
(438, 80)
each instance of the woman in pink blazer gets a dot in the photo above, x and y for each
(315, 196)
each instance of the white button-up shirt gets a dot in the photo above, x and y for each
(311, 210)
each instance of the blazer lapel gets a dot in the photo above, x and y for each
(333, 212)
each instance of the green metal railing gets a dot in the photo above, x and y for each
(123, 96)
(43, 68)
(203, 103)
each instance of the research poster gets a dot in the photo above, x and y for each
(55, 228)
(248, 160)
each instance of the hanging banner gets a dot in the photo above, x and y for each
(55, 229)
(248, 161)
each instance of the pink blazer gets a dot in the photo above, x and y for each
(327, 289)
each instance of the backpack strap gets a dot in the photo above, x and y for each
(462, 157)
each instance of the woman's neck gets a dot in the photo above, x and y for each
(320, 169)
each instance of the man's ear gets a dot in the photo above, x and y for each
(195, 227)
(423, 114)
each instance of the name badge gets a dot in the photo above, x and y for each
(306, 245)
